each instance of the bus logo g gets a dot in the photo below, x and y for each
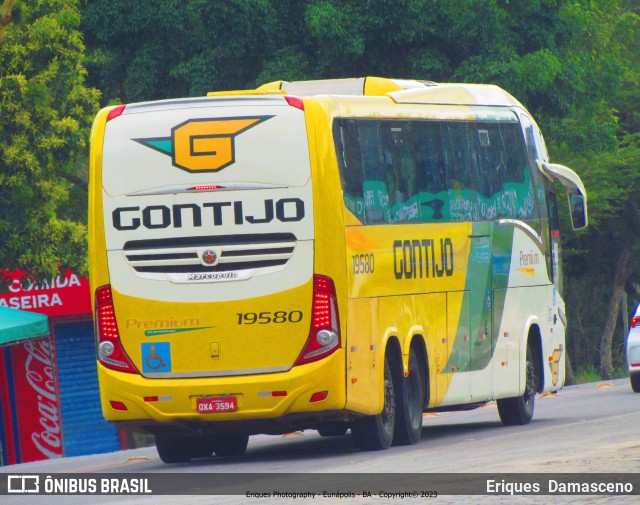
(203, 145)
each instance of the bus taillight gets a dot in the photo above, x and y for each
(635, 322)
(110, 351)
(324, 334)
(294, 101)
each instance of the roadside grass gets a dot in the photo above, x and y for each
(590, 373)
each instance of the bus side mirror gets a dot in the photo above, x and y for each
(578, 211)
(575, 189)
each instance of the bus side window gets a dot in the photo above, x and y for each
(516, 161)
(554, 231)
(350, 165)
(517, 175)
(404, 197)
(430, 170)
(375, 178)
(461, 169)
(487, 148)
(554, 218)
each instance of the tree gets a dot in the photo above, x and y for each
(171, 48)
(46, 114)
(606, 257)
(5, 17)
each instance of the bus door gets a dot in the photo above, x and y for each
(505, 344)
(469, 322)
(554, 238)
(481, 284)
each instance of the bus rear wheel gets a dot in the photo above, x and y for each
(373, 433)
(634, 379)
(408, 428)
(519, 410)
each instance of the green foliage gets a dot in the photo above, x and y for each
(566, 60)
(46, 114)
(612, 180)
(170, 48)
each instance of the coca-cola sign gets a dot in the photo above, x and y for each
(38, 407)
(65, 295)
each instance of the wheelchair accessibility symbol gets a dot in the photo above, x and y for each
(156, 357)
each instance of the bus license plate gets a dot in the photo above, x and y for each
(220, 404)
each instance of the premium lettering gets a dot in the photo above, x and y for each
(208, 214)
(161, 323)
(530, 258)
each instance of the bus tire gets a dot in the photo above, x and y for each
(519, 410)
(408, 428)
(634, 379)
(229, 444)
(374, 433)
(176, 449)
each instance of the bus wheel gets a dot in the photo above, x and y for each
(408, 427)
(373, 433)
(175, 449)
(519, 410)
(634, 378)
(229, 444)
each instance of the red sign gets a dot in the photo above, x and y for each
(38, 409)
(66, 295)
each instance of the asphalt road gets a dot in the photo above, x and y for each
(591, 428)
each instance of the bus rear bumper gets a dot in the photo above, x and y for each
(266, 403)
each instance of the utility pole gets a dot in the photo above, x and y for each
(5, 17)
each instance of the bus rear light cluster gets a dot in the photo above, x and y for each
(115, 112)
(110, 351)
(294, 101)
(635, 322)
(324, 334)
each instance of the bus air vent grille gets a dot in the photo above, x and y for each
(205, 254)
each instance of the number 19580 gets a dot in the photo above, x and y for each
(363, 263)
(280, 316)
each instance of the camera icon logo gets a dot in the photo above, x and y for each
(23, 484)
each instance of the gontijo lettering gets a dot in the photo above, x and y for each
(422, 258)
(211, 213)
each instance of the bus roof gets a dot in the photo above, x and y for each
(405, 91)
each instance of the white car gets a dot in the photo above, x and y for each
(633, 351)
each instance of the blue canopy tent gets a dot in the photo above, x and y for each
(17, 325)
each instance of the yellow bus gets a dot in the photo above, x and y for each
(332, 255)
